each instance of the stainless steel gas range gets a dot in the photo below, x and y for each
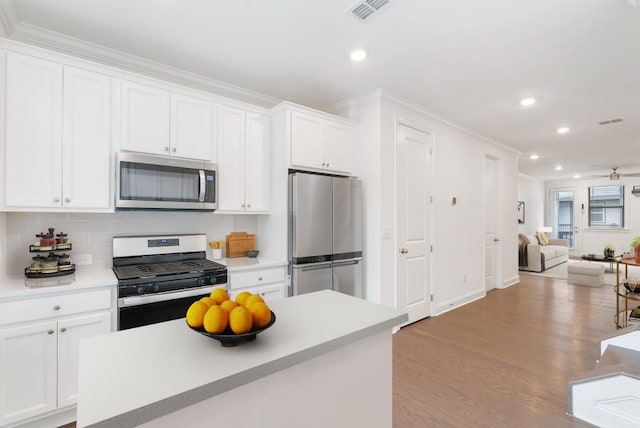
(160, 276)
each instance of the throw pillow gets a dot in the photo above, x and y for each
(533, 239)
(523, 238)
(542, 238)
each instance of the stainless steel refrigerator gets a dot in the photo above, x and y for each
(325, 233)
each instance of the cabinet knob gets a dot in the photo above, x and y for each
(56, 308)
(243, 206)
(249, 206)
(323, 164)
(67, 200)
(50, 332)
(327, 164)
(173, 150)
(166, 149)
(259, 278)
(56, 199)
(63, 329)
(403, 251)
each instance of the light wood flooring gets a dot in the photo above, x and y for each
(502, 361)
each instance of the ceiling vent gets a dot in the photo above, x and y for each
(364, 9)
(610, 121)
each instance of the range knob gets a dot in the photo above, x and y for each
(202, 281)
(140, 289)
(156, 288)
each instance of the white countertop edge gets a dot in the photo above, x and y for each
(237, 264)
(182, 400)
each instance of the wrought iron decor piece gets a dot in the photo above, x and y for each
(520, 212)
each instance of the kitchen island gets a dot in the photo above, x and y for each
(327, 361)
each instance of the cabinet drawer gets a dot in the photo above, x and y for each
(255, 277)
(54, 306)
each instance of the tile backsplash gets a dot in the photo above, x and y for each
(91, 234)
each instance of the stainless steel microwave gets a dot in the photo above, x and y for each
(160, 182)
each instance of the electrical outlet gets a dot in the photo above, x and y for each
(83, 259)
(386, 233)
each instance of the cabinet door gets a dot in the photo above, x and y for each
(33, 145)
(231, 153)
(86, 134)
(70, 332)
(272, 292)
(337, 146)
(191, 127)
(27, 371)
(256, 185)
(145, 118)
(306, 141)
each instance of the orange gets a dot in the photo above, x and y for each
(208, 300)
(215, 320)
(251, 300)
(240, 298)
(240, 320)
(195, 313)
(228, 305)
(260, 313)
(219, 295)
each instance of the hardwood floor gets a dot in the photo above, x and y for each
(502, 361)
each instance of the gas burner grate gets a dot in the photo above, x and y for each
(165, 268)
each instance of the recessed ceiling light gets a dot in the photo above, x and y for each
(576, 176)
(358, 55)
(527, 102)
(559, 168)
(563, 130)
(534, 157)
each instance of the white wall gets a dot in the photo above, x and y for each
(3, 243)
(93, 233)
(532, 191)
(458, 230)
(593, 240)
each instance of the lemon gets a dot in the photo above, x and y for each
(215, 320)
(252, 299)
(240, 298)
(240, 320)
(260, 313)
(195, 313)
(219, 295)
(228, 305)
(208, 300)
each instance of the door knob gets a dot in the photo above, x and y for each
(403, 251)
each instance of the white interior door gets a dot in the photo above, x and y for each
(413, 289)
(491, 239)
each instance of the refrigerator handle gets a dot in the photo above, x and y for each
(347, 263)
(315, 266)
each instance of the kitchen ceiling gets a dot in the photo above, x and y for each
(469, 61)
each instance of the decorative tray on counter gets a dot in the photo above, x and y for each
(48, 273)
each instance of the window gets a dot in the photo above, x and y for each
(606, 206)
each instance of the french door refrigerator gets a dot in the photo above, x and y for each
(325, 233)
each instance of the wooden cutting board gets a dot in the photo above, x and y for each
(238, 243)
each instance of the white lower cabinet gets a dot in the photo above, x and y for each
(266, 282)
(39, 358)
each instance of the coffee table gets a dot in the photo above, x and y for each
(600, 258)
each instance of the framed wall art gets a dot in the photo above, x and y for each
(520, 212)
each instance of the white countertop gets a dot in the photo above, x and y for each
(244, 263)
(133, 376)
(18, 286)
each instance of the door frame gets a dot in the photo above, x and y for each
(577, 217)
(400, 121)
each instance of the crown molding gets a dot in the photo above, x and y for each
(8, 17)
(384, 95)
(61, 43)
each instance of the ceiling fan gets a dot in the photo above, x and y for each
(615, 175)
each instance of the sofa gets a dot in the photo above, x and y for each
(536, 256)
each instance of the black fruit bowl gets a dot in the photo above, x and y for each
(228, 338)
(253, 253)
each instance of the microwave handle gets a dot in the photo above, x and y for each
(202, 186)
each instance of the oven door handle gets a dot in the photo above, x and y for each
(124, 302)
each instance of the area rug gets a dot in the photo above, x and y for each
(560, 272)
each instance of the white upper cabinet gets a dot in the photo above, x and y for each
(145, 114)
(86, 136)
(58, 140)
(159, 121)
(320, 142)
(243, 156)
